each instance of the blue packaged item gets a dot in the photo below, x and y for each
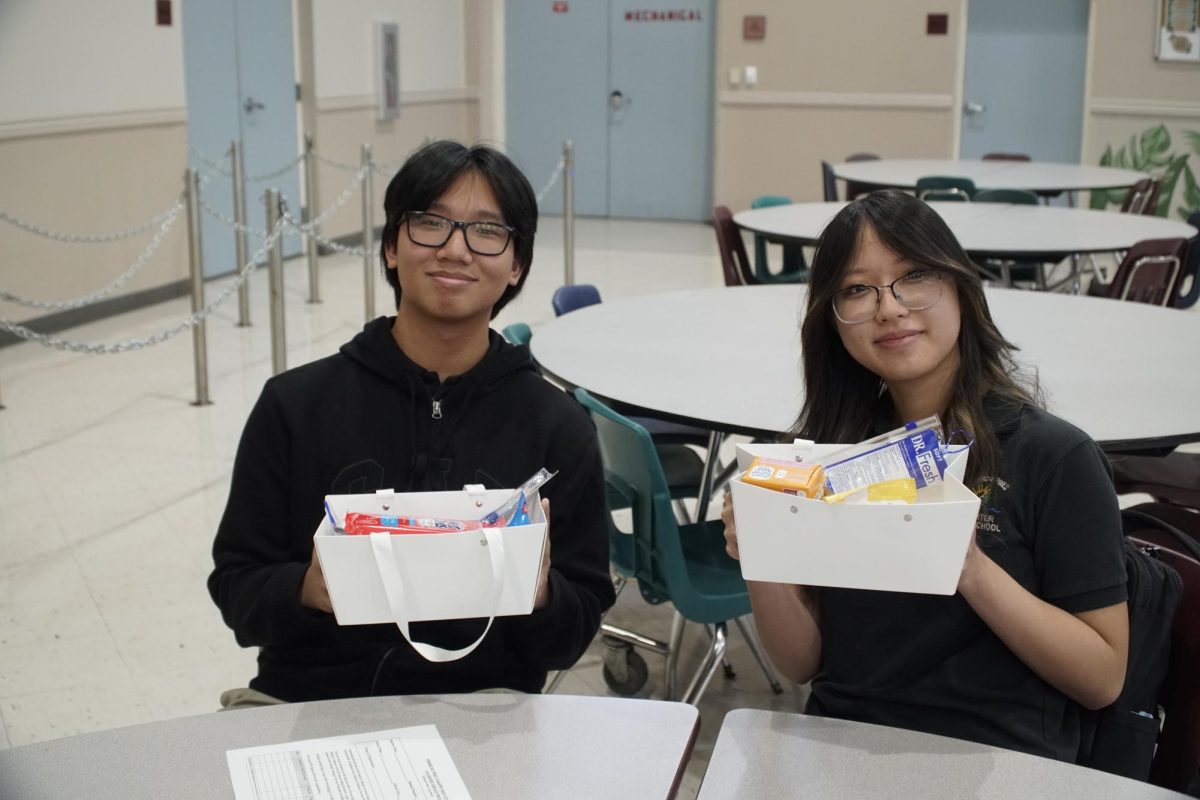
(515, 510)
(914, 451)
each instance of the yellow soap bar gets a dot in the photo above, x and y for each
(903, 490)
(791, 477)
(841, 497)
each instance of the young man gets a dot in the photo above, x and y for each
(428, 400)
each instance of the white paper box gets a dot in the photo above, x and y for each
(901, 548)
(445, 575)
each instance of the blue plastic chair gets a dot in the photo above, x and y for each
(1018, 197)
(795, 268)
(573, 297)
(684, 564)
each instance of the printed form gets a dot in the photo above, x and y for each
(398, 764)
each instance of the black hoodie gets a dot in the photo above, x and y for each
(369, 418)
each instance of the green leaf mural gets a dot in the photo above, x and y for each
(1151, 152)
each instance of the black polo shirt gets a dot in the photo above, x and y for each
(928, 662)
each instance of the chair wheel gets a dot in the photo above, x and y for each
(625, 672)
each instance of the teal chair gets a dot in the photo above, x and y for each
(795, 268)
(1007, 271)
(684, 564)
(1018, 197)
(517, 333)
(942, 188)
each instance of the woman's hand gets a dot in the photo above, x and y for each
(731, 544)
(313, 591)
(542, 597)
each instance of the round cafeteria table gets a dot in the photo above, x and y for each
(1035, 176)
(991, 230)
(728, 359)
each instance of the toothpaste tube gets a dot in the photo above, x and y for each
(356, 523)
(914, 451)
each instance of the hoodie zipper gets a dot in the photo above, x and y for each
(437, 409)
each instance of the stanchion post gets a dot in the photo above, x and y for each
(368, 234)
(310, 209)
(568, 213)
(239, 234)
(275, 281)
(191, 179)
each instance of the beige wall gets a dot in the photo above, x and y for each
(1129, 92)
(89, 182)
(833, 79)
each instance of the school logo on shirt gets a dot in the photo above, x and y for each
(987, 490)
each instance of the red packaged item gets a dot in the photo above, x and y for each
(356, 523)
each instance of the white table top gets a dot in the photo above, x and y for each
(1034, 176)
(527, 746)
(995, 229)
(776, 754)
(729, 359)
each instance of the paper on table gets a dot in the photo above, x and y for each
(397, 764)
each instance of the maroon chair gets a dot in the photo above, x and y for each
(735, 263)
(855, 188)
(1150, 272)
(1177, 757)
(1142, 197)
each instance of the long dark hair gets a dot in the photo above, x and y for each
(431, 171)
(842, 398)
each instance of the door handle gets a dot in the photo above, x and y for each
(618, 101)
(973, 108)
(252, 105)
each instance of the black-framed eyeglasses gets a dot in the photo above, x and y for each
(916, 291)
(484, 238)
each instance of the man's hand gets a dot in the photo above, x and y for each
(313, 591)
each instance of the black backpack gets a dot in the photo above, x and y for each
(1120, 738)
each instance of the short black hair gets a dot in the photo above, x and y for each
(432, 170)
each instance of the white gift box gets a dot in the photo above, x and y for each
(787, 538)
(413, 577)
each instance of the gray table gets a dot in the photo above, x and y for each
(776, 754)
(728, 359)
(520, 746)
(1033, 176)
(991, 230)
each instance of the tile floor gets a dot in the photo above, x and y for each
(112, 484)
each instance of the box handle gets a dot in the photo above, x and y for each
(396, 589)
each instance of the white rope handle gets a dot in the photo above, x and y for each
(397, 590)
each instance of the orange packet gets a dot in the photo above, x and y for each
(790, 477)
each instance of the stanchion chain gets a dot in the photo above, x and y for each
(230, 221)
(342, 199)
(297, 227)
(558, 168)
(93, 238)
(137, 344)
(99, 294)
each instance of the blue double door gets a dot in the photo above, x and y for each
(631, 86)
(240, 84)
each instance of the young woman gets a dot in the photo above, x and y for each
(897, 328)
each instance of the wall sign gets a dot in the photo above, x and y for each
(754, 27)
(387, 70)
(1178, 37)
(678, 15)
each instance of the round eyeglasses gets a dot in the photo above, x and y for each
(916, 291)
(483, 238)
